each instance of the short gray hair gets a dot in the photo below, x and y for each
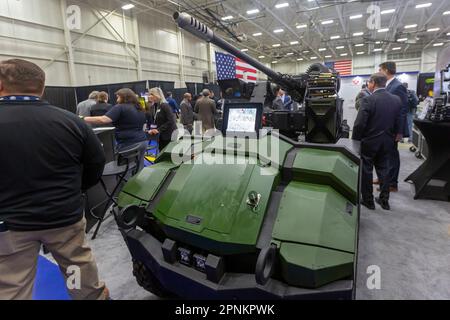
(94, 95)
(206, 93)
(379, 79)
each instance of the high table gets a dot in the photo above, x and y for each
(432, 179)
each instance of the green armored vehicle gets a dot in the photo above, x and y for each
(248, 215)
(252, 229)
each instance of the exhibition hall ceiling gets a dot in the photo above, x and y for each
(316, 29)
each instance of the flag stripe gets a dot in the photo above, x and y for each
(245, 69)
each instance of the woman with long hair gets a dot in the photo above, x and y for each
(129, 119)
(164, 119)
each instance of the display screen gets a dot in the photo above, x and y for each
(242, 120)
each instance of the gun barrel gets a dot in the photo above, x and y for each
(192, 25)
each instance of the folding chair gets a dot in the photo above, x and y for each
(127, 161)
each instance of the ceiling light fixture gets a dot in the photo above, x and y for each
(424, 5)
(356, 16)
(253, 11)
(327, 22)
(227, 18)
(388, 11)
(282, 5)
(128, 6)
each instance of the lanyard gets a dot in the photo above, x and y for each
(20, 98)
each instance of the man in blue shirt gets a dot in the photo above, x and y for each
(172, 103)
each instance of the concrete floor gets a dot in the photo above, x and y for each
(410, 245)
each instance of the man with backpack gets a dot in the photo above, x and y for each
(413, 102)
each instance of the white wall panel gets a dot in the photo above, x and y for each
(47, 12)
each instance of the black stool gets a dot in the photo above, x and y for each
(127, 161)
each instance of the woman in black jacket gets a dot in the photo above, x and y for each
(164, 119)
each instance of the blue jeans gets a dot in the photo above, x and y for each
(410, 118)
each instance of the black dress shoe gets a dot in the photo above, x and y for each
(368, 204)
(383, 203)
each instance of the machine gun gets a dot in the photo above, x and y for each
(316, 91)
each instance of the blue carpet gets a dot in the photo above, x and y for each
(49, 284)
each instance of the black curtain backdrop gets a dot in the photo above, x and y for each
(178, 94)
(164, 85)
(197, 88)
(61, 97)
(83, 92)
(138, 87)
(68, 97)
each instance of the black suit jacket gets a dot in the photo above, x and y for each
(398, 89)
(165, 121)
(379, 114)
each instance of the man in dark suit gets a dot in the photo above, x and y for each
(282, 101)
(376, 127)
(394, 86)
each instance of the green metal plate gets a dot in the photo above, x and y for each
(316, 215)
(144, 185)
(217, 196)
(313, 267)
(328, 167)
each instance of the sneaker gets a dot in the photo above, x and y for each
(383, 203)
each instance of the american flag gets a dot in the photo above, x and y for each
(344, 67)
(230, 67)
